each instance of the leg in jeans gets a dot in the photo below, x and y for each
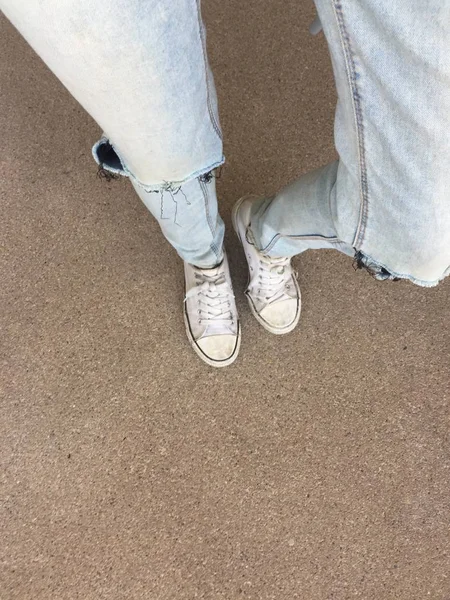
(140, 69)
(387, 200)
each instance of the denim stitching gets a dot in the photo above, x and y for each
(356, 97)
(208, 217)
(212, 116)
(278, 236)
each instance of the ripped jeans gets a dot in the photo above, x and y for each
(140, 69)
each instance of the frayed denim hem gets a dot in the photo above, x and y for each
(112, 166)
(382, 273)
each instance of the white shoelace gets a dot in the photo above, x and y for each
(273, 279)
(213, 294)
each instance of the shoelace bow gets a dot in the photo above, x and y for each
(273, 279)
(213, 294)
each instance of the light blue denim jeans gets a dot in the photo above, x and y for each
(140, 69)
(387, 200)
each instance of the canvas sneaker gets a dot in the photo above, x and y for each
(272, 291)
(210, 314)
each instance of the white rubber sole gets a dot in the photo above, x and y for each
(209, 361)
(261, 321)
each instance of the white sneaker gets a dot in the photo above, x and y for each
(210, 315)
(272, 291)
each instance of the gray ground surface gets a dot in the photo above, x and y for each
(316, 467)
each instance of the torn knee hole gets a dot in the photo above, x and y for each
(103, 173)
(110, 166)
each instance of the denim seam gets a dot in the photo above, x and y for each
(212, 116)
(330, 209)
(208, 217)
(278, 236)
(357, 108)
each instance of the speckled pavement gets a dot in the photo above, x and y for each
(317, 467)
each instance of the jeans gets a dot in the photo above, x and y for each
(387, 200)
(140, 69)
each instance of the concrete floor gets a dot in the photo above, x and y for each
(316, 467)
